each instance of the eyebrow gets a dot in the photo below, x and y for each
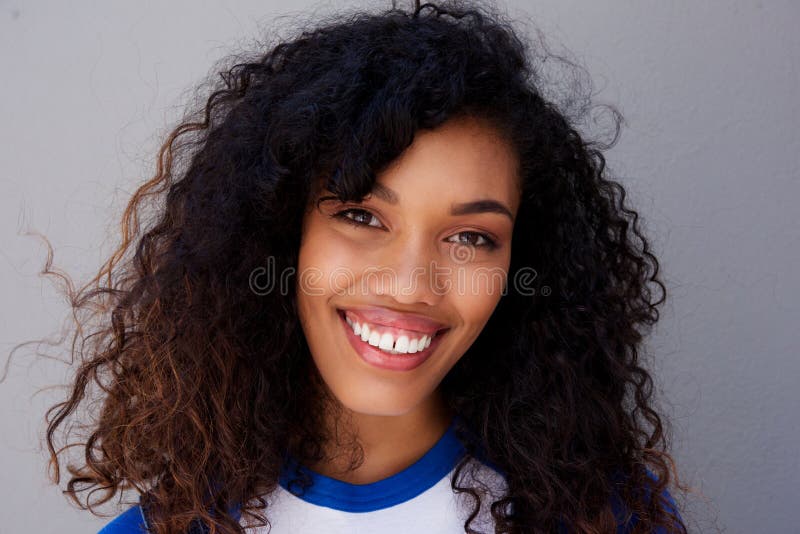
(465, 208)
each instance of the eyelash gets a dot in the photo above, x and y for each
(341, 215)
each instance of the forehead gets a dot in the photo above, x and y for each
(464, 159)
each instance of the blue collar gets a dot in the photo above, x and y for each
(400, 487)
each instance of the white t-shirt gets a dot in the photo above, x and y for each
(417, 499)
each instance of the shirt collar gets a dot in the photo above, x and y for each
(415, 479)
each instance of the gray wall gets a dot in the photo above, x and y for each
(710, 156)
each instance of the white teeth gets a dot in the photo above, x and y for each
(401, 345)
(386, 341)
(374, 338)
(365, 332)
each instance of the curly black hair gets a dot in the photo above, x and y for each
(204, 384)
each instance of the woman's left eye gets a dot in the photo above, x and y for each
(475, 241)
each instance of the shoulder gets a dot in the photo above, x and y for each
(620, 510)
(131, 521)
(134, 521)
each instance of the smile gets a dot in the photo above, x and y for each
(388, 347)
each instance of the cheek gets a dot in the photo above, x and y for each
(475, 311)
(325, 263)
(476, 292)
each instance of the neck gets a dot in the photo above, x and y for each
(390, 443)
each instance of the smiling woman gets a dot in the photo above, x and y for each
(405, 169)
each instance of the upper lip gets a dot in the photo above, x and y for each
(394, 319)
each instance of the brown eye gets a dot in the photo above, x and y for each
(476, 239)
(359, 217)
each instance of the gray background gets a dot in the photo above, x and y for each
(709, 155)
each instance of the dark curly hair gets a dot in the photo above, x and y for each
(202, 385)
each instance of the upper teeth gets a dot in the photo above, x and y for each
(386, 341)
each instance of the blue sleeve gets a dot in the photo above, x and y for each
(619, 511)
(131, 521)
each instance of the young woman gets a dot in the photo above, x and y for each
(387, 287)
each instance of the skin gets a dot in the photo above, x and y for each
(414, 242)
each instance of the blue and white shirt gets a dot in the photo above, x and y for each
(417, 499)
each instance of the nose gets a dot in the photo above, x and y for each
(410, 272)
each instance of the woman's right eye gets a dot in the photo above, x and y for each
(359, 217)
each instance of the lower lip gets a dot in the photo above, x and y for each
(394, 362)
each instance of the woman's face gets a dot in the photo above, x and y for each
(424, 256)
